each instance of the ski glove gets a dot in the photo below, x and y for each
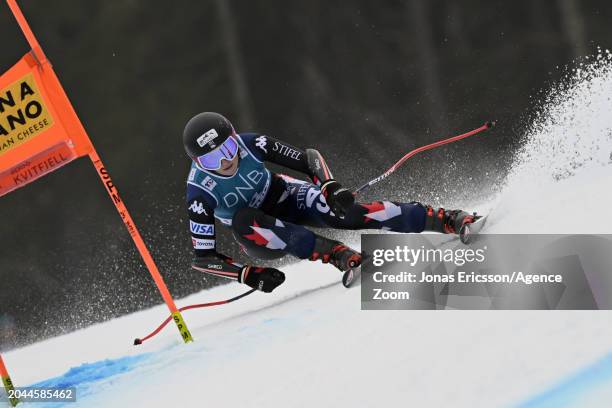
(264, 279)
(338, 198)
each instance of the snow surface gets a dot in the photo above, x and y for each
(309, 344)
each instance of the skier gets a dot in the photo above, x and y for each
(268, 212)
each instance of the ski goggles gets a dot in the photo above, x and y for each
(212, 160)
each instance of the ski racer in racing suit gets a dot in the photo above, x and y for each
(268, 212)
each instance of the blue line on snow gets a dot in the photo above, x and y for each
(84, 375)
(578, 387)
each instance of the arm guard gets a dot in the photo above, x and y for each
(317, 167)
(218, 264)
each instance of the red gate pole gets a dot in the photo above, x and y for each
(8, 384)
(55, 87)
(140, 245)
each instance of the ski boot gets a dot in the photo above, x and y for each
(342, 257)
(336, 253)
(449, 221)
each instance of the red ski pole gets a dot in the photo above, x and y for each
(182, 309)
(408, 155)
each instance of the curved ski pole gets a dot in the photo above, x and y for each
(408, 155)
(210, 304)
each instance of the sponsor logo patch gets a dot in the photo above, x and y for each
(201, 229)
(286, 151)
(192, 174)
(208, 183)
(203, 243)
(207, 138)
(23, 114)
(214, 266)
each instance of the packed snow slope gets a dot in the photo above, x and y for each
(309, 344)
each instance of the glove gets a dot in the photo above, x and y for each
(264, 279)
(338, 198)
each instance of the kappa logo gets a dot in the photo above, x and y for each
(208, 183)
(207, 137)
(261, 143)
(197, 208)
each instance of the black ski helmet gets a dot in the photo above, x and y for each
(204, 132)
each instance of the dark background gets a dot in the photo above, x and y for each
(362, 81)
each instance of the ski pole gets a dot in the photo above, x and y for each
(210, 304)
(408, 155)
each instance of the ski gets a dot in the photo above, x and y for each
(469, 231)
(352, 275)
(349, 277)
